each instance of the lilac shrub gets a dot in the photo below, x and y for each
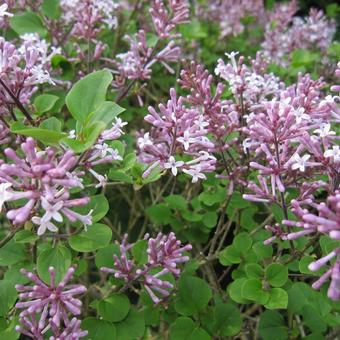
(167, 168)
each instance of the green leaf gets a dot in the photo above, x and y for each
(99, 329)
(229, 255)
(176, 202)
(185, 328)
(277, 274)
(25, 236)
(139, 252)
(262, 251)
(272, 326)
(235, 291)
(129, 161)
(253, 271)
(12, 253)
(106, 112)
(104, 256)
(8, 296)
(8, 331)
(58, 257)
(119, 176)
(193, 295)
(100, 206)
(227, 319)
(51, 8)
(52, 124)
(88, 94)
(132, 327)
(252, 290)
(28, 22)
(159, 213)
(45, 102)
(44, 135)
(88, 138)
(97, 236)
(242, 242)
(278, 299)
(210, 219)
(114, 308)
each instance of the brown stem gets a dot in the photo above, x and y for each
(17, 102)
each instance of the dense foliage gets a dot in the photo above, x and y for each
(169, 169)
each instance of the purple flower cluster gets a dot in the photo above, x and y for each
(165, 252)
(228, 13)
(22, 70)
(44, 180)
(284, 33)
(136, 63)
(178, 130)
(47, 307)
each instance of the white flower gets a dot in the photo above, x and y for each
(301, 115)
(119, 124)
(86, 219)
(186, 140)
(111, 22)
(101, 179)
(232, 56)
(195, 174)
(4, 194)
(333, 153)
(201, 123)
(116, 156)
(325, 130)
(40, 76)
(300, 162)
(247, 143)
(72, 134)
(3, 11)
(143, 141)
(51, 211)
(104, 149)
(173, 165)
(43, 225)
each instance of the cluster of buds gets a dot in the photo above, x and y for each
(177, 130)
(136, 64)
(89, 17)
(250, 85)
(165, 252)
(46, 307)
(229, 14)
(22, 70)
(293, 144)
(284, 33)
(44, 180)
(165, 20)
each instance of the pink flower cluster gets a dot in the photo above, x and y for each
(229, 14)
(292, 144)
(46, 307)
(177, 130)
(44, 180)
(284, 33)
(165, 252)
(22, 70)
(136, 64)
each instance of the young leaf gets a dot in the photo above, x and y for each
(114, 308)
(45, 102)
(277, 274)
(88, 94)
(185, 328)
(59, 257)
(44, 135)
(28, 22)
(97, 236)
